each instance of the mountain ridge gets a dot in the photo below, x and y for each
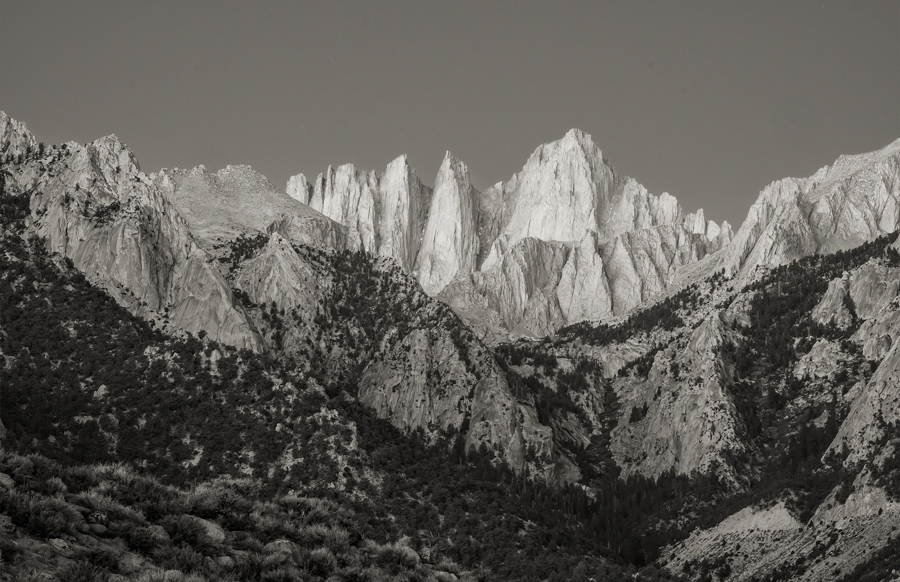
(759, 369)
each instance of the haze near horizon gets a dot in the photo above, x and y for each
(709, 101)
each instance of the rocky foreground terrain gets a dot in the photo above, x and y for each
(562, 377)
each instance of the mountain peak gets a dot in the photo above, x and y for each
(14, 136)
(578, 135)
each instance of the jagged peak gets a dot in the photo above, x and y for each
(401, 160)
(111, 151)
(453, 165)
(14, 134)
(574, 141)
(399, 166)
(580, 137)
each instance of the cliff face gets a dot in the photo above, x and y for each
(92, 204)
(873, 293)
(403, 213)
(563, 192)
(423, 382)
(15, 139)
(839, 207)
(605, 243)
(528, 254)
(384, 215)
(240, 202)
(690, 424)
(450, 243)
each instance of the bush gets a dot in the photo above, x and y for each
(49, 518)
(322, 562)
(8, 550)
(182, 558)
(250, 568)
(82, 571)
(142, 539)
(397, 558)
(184, 530)
(80, 478)
(114, 510)
(102, 558)
(283, 573)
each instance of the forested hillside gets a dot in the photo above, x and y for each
(742, 425)
(84, 382)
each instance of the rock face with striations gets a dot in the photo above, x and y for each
(568, 239)
(450, 242)
(839, 207)
(384, 215)
(873, 293)
(690, 422)
(92, 204)
(238, 201)
(563, 240)
(15, 139)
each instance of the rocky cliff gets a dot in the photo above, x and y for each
(92, 204)
(240, 202)
(839, 207)
(529, 254)
(450, 242)
(384, 215)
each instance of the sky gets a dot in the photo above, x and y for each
(709, 101)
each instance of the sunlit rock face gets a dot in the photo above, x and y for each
(384, 214)
(583, 221)
(299, 188)
(403, 211)
(92, 204)
(563, 192)
(839, 207)
(450, 242)
(15, 137)
(568, 239)
(279, 275)
(239, 201)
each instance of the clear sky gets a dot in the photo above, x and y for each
(709, 101)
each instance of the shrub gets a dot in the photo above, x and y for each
(80, 478)
(448, 565)
(322, 562)
(249, 568)
(313, 510)
(142, 539)
(18, 467)
(182, 558)
(56, 487)
(397, 558)
(8, 550)
(184, 530)
(114, 510)
(244, 541)
(102, 558)
(82, 571)
(334, 538)
(49, 518)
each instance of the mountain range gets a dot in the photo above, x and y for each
(566, 333)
